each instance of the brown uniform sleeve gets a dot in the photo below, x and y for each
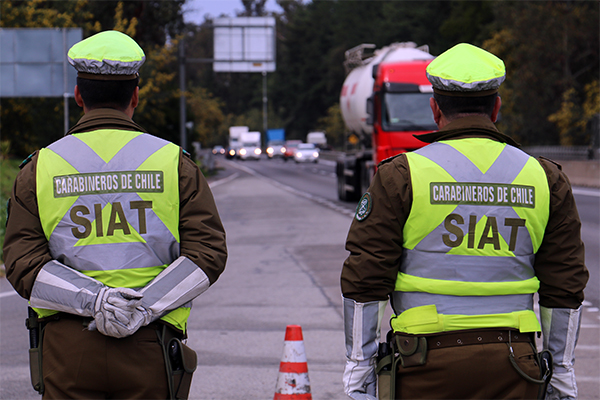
(559, 262)
(25, 246)
(202, 236)
(375, 243)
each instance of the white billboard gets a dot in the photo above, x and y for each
(244, 44)
(33, 61)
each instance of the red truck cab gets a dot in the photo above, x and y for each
(401, 108)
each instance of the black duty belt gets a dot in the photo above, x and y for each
(482, 336)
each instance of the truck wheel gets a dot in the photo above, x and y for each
(366, 173)
(341, 189)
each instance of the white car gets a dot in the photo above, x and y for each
(250, 152)
(306, 152)
(276, 148)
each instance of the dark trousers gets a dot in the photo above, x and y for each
(477, 371)
(80, 364)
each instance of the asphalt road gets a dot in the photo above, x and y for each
(285, 230)
(319, 182)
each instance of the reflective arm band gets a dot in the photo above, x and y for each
(560, 329)
(61, 288)
(410, 283)
(180, 283)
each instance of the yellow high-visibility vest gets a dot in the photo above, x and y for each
(109, 206)
(479, 212)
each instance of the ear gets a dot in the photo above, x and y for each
(135, 99)
(435, 109)
(78, 98)
(496, 110)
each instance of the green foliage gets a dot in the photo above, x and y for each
(31, 123)
(575, 115)
(207, 113)
(550, 48)
(333, 126)
(544, 61)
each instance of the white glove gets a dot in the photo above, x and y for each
(362, 396)
(360, 380)
(561, 385)
(114, 312)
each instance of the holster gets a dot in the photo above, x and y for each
(408, 350)
(36, 331)
(181, 362)
(546, 365)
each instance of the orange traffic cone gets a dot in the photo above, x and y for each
(292, 382)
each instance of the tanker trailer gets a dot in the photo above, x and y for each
(384, 101)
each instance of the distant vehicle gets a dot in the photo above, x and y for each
(275, 143)
(218, 150)
(317, 138)
(384, 101)
(290, 148)
(250, 146)
(306, 152)
(275, 148)
(234, 140)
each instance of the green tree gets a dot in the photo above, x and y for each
(333, 126)
(575, 115)
(149, 22)
(545, 62)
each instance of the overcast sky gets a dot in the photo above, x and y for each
(196, 9)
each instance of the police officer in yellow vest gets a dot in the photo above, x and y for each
(111, 234)
(459, 236)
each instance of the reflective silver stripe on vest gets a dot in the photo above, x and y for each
(160, 248)
(463, 305)
(429, 258)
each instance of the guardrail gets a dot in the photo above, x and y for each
(575, 153)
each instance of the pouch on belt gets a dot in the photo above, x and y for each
(408, 350)
(181, 362)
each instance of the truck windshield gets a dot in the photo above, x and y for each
(407, 112)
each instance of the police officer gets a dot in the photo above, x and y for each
(111, 234)
(459, 235)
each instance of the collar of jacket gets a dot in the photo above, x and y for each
(471, 126)
(105, 118)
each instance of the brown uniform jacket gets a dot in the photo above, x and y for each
(375, 243)
(202, 237)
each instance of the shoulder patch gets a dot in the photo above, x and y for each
(363, 209)
(27, 160)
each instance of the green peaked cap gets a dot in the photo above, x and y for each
(466, 70)
(107, 55)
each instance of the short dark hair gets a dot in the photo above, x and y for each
(110, 94)
(452, 106)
